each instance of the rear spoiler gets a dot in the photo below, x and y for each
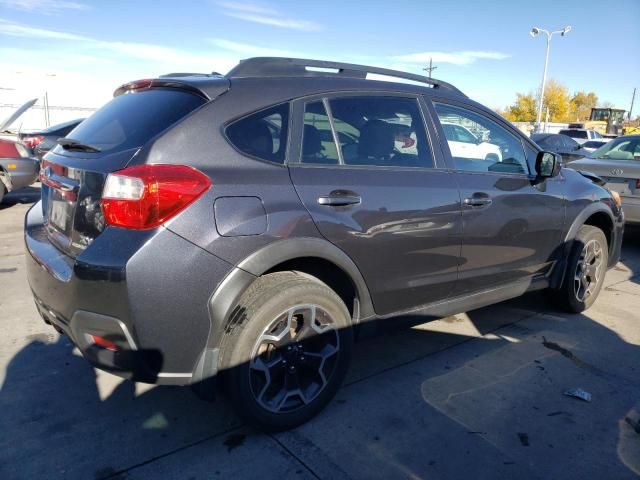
(207, 86)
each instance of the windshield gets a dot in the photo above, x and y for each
(622, 148)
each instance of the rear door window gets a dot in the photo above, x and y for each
(318, 145)
(131, 119)
(371, 131)
(262, 134)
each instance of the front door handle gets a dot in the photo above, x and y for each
(478, 200)
(340, 198)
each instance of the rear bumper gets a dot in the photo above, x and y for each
(20, 172)
(147, 292)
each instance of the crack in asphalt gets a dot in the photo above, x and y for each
(123, 471)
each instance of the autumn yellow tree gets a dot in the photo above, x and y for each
(524, 110)
(581, 104)
(556, 99)
(562, 106)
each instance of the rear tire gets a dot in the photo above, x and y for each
(586, 269)
(2, 190)
(286, 350)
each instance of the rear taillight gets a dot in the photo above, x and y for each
(8, 149)
(145, 196)
(32, 142)
(638, 184)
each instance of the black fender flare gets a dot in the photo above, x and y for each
(228, 292)
(557, 276)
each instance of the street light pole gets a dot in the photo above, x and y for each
(534, 32)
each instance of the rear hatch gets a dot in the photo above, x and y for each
(74, 172)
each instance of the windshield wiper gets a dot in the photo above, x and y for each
(71, 144)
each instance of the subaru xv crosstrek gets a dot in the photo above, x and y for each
(240, 227)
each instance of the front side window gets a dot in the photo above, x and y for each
(262, 134)
(492, 147)
(371, 131)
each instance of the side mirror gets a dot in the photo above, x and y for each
(548, 164)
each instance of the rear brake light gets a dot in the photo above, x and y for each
(32, 142)
(132, 86)
(638, 184)
(146, 196)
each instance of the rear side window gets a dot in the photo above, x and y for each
(262, 134)
(132, 119)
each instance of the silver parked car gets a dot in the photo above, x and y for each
(618, 163)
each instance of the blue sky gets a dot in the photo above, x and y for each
(483, 47)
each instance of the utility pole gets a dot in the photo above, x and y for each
(430, 68)
(633, 99)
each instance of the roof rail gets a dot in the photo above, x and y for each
(187, 74)
(295, 67)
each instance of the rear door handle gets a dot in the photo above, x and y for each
(340, 198)
(478, 200)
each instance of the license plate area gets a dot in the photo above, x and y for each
(61, 206)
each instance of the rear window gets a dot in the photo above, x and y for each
(263, 134)
(574, 133)
(132, 119)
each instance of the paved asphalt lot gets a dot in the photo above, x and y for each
(478, 395)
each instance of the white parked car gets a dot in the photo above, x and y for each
(463, 143)
(581, 135)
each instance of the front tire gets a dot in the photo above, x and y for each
(585, 272)
(286, 350)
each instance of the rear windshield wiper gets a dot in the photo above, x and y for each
(71, 144)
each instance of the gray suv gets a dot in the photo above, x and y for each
(240, 227)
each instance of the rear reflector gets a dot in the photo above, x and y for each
(104, 343)
(146, 196)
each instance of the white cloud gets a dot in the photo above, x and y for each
(166, 58)
(455, 58)
(251, 12)
(48, 7)
(18, 30)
